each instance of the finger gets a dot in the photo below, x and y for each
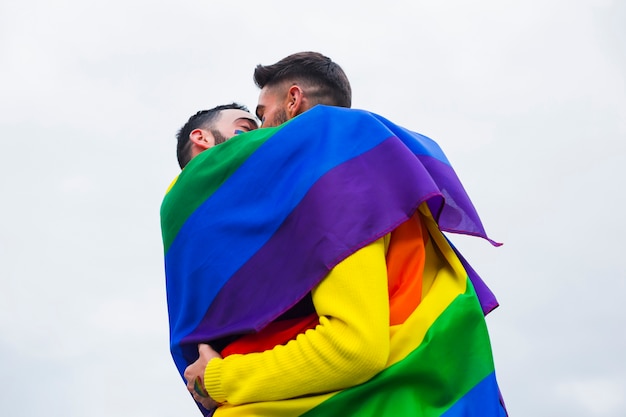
(188, 374)
(209, 404)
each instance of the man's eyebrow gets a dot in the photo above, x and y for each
(249, 119)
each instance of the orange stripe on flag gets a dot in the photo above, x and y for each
(405, 268)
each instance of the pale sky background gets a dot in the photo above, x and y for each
(527, 98)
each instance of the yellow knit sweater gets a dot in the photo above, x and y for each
(348, 347)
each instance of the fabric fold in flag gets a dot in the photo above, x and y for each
(251, 226)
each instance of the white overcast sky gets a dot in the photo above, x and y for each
(527, 98)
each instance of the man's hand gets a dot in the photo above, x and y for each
(194, 374)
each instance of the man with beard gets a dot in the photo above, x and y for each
(297, 83)
(208, 128)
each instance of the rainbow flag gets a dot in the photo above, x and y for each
(294, 201)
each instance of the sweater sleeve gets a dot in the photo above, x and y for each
(348, 347)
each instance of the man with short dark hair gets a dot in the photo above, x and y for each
(297, 83)
(208, 128)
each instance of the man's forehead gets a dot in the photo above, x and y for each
(273, 91)
(230, 115)
(267, 97)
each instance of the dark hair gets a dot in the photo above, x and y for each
(312, 69)
(204, 119)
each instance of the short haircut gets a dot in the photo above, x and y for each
(204, 119)
(312, 69)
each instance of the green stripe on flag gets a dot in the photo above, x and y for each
(203, 176)
(454, 356)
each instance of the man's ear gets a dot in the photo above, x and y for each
(296, 101)
(201, 139)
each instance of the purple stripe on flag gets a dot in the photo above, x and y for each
(487, 299)
(458, 215)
